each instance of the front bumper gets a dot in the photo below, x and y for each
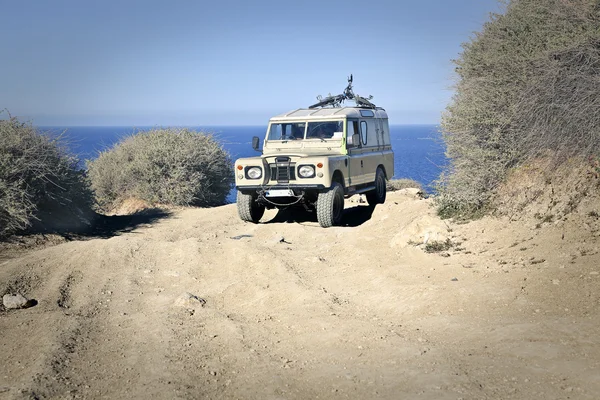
(297, 188)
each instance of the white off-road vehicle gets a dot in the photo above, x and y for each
(316, 157)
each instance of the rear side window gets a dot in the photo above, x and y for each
(363, 132)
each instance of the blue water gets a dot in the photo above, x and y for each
(418, 149)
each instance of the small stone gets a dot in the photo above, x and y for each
(281, 239)
(190, 301)
(454, 279)
(16, 301)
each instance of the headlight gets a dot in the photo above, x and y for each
(306, 171)
(254, 172)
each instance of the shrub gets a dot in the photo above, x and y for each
(527, 84)
(41, 186)
(437, 246)
(173, 166)
(399, 184)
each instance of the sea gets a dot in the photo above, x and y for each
(419, 152)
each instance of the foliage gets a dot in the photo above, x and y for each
(39, 180)
(528, 83)
(173, 166)
(436, 246)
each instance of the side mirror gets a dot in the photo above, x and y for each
(256, 143)
(356, 140)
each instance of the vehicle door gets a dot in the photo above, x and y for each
(371, 148)
(386, 148)
(355, 153)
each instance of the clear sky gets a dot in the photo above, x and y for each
(223, 62)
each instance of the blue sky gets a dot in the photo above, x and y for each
(128, 62)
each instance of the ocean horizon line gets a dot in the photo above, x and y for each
(188, 126)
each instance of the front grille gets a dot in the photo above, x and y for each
(283, 172)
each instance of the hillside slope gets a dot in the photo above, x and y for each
(290, 310)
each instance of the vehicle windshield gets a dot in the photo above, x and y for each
(287, 131)
(325, 130)
(313, 130)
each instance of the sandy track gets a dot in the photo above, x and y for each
(345, 312)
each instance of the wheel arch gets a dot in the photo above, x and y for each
(384, 171)
(338, 177)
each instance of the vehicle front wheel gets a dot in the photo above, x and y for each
(330, 206)
(249, 209)
(377, 195)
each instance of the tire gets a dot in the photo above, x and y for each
(377, 196)
(248, 208)
(330, 206)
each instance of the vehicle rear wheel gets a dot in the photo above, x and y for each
(330, 206)
(249, 209)
(377, 195)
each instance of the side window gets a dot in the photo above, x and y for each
(363, 132)
(352, 129)
(349, 134)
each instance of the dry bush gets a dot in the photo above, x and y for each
(528, 83)
(399, 184)
(171, 166)
(436, 246)
(41, 186)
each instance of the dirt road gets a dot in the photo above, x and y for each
(201, 305)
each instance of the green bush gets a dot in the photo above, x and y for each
(527, 84)
(41, 186)
(172, 166)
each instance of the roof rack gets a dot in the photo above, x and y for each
(336, 101)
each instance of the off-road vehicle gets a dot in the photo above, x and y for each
(316, 157)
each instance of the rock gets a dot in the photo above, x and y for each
(413, 192)
(15, 301)
(190, 301)
(454, 279)
(420, 231)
